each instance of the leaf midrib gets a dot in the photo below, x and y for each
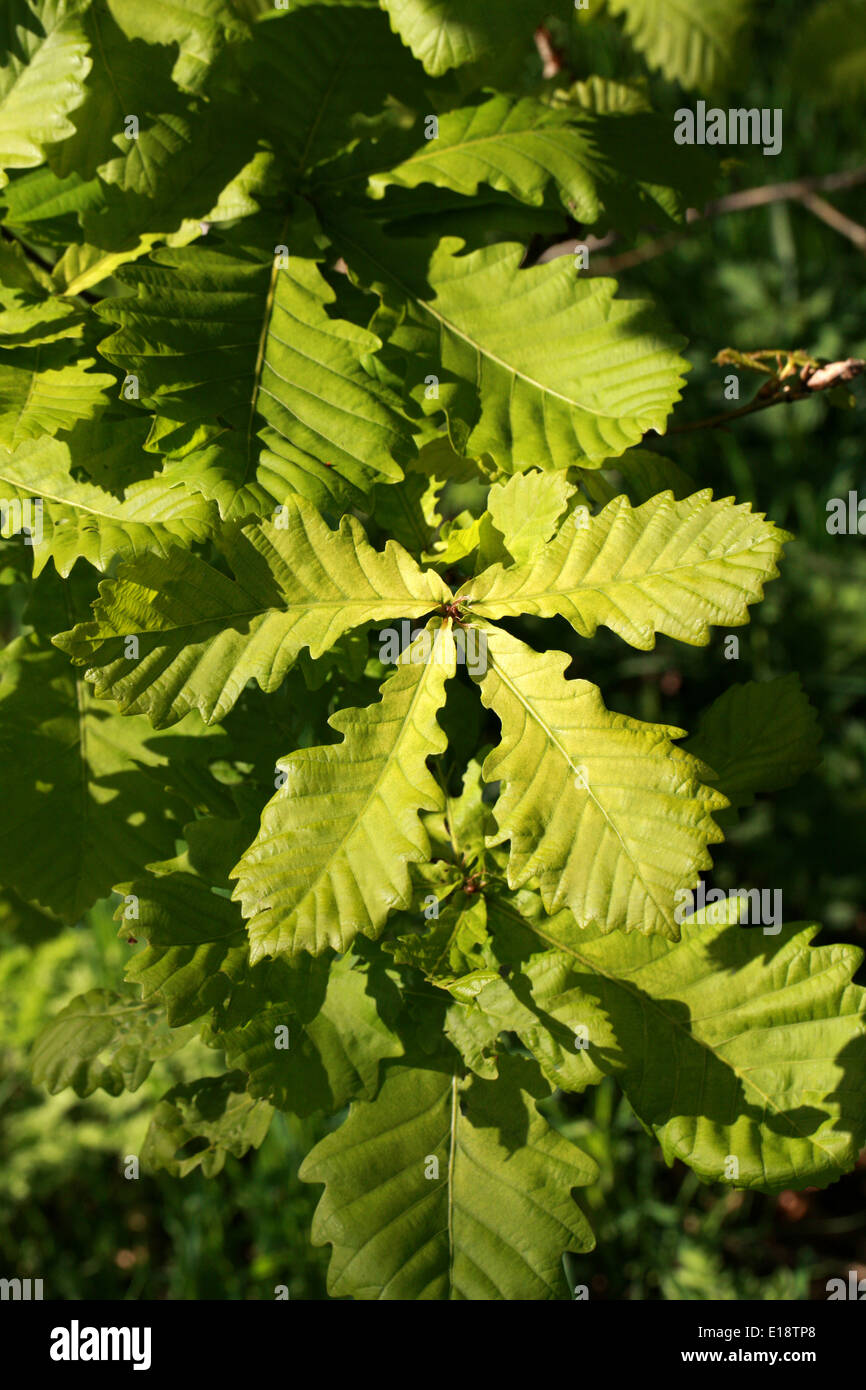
(551, 736)
(478, 348)
(225, 620)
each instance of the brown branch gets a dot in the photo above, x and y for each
(552, 58)
(804, 191)
(715, 422)
(809, 382)
(835, 219)
(779, 192)
(568, 247)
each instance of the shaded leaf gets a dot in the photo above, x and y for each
(463, 1232)
(202, 636)
(331, 858)
(199, 1124)
(102, 1041)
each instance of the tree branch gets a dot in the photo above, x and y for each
(776, 392)
(552, 58)
(805, 191)
(835, 219)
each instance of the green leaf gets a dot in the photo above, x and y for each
(758, 737)
(671, 567)
(604, 810)
(331, 858)
(125, 79)
(643, 474)
(41, 392)
(607, 97)
(458, 539)
(516, 147)
(196, 947)
(468, 818)
(199, 1124)
(29, 315)
(444, 34)
(82, 266)
(448, 948)
(352, 64)
(537, 356)
(239, 339)
(526, 508)
(432, 1190)
(539, 999)
(203, 636)
(172, 174)
(54, 202)
(82, 815)
(733, 1044)
(81, 520)
(626, 166)
(693, 42)
(401, 511)
(304, 1053)
(201, 31)
(43, 64)
(102, 1040)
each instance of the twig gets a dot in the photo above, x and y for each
(715, 422)
(778, 192)
(568, 247)
(552, 58)
(835, 219)
(804, 191)
(811, 380)
(612, 265)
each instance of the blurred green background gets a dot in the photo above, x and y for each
(767, 278)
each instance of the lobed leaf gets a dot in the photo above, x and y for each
(535, 367)
(202, 636)
(758, 737)
(237, 338)
(200, 1123)
(442, 1189)
(335, 1035)
(610, 817)
(81, 520)
(43, 64)
(692, 42)
(82, 814)
(671, 567)
(102, 1041)
(446, 33)
(732, 1044)
(331, 858)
